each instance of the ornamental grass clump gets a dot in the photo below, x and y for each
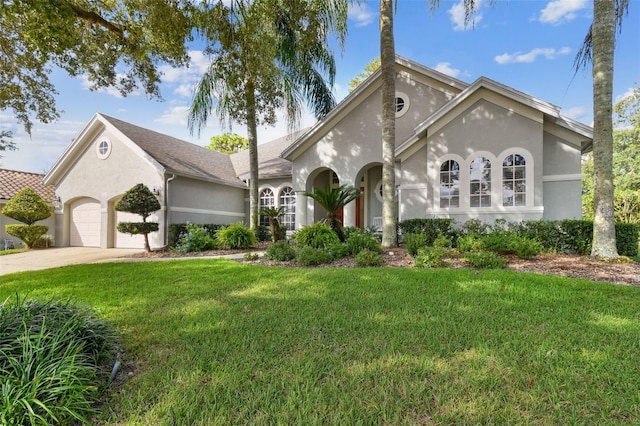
(319, 235)
(55, 359)
(235, 236)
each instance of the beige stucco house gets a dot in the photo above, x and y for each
(480, 150)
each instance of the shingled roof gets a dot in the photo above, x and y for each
(12, 181)
(178, 156)
(270, 165)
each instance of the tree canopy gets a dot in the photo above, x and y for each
(113, 43)
(141, 201)
(27, 206)
(369, 69)
(228, 143)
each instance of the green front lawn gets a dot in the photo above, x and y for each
(218, 342)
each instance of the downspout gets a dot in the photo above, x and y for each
(166, 209)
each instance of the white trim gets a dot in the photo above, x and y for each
(204, 211)
(99, 142)
(559, 178)
(529, 171)
(414, 186)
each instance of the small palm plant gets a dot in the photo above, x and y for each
(333, 200)
(274, 213)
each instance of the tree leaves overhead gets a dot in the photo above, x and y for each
(114, 43)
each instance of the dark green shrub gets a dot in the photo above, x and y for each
(311, 256)
(141, 201)
(359, 241)
(431, 257)
(250, 257)
(475, 227)
(339, 250)
(348, 230)
(366, 258)
(280, 252)
(526, 248)
(235, 236)
(195, 239)
(56, 358)
(430, 228)
(627, 238)
(318, 235)
(177, 230)
(469, 243)
(485, 260)
(136, 228)
(443, 241)
(29, 234)
(414, 242)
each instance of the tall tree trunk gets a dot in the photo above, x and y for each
(388, 70)
(252, 137)
(603, 42)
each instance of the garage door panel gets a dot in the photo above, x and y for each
(85, 225)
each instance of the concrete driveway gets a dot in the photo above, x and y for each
(34, 260)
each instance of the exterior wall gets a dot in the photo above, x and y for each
(106, 180)
(4, 220)
(562, 179)
(487, 129)
(196, 201)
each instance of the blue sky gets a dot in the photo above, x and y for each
(529, 45)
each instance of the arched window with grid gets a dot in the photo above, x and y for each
(288, 201)
(267, 199)
(450, 184)
(480, 182)
(514, 181)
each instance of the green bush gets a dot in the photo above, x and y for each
(627, 238)
(431, 257)
(469, 243)
(414, 242)
(280, 252)
(27, 206)
(177, 230)
(359, 241)
(485, 260)
(443, 241)
(137, 228)
(430, 228)
(366, 258)
(510, 243)
(311, 256)
(475, 227)
(195, 239)
(45, 241)
(235, 236)
(319, 235)
(56, 358)
(339, 250)
(29, 234)
(526, 248)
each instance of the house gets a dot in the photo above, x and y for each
(11, 182)
(481, 150)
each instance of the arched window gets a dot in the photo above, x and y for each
(450, 184)
(480, 182)
(514, 185)
(267, 199)
(288, 201)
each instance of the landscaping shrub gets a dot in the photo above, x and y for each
(177, 230)
(235, 236)
(627, 238)
(485, 260)
(56, 358)
(443, 241)
(45, 241)
(339, 250)
(475, 227)
(318, 235)
(430, 228)
(311, 256)
(280, 252)
(263, 233)
(431, 257)
(29, 234)
(359, 241)
(414, 242)
(510, 243)
(469, 243)
(366, 258)
(195, 239)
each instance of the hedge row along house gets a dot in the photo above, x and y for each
(481, 150)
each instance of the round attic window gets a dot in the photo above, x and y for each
(402, 104)
(103, 148)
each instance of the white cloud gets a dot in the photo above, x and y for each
(361, 13)
(184, 90)
(560, 11)
(457, 15)
(519, 57)
(445, 68)
(575, 113)
(174, 116)
(629, 93)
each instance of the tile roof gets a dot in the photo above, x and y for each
(178, 156)
(12, 181)
(270, 165)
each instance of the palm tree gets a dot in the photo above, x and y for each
(274, 214)
(333, 200)
(267, 56)
(598, 49)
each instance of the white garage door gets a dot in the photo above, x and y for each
(125, 240)
(85, 223)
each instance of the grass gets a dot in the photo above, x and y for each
(13, 251)
(218, 342)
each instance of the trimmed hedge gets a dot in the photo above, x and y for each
(430, 228)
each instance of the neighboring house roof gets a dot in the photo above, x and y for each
(270, 164)
(178, 156)
(12, 181)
